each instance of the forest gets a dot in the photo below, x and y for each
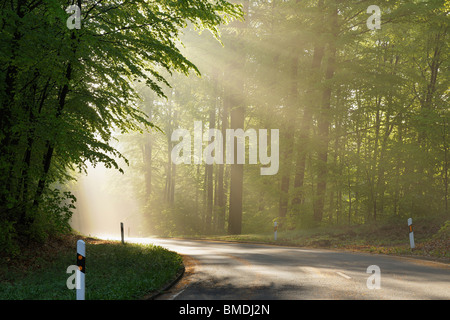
(354, 103)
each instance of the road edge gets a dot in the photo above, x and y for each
(167, 286)
(400, 256)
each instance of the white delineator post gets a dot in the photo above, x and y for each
(81, 264)
(275, 229)
(411, 233)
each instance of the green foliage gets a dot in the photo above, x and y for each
(7, 235)
(53, 216)
(64, 93)
(444, 231)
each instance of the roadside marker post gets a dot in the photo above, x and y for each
(81, 264)
(121, 232)
(275, 229)
(411, 233)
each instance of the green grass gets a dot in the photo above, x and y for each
(113, 272)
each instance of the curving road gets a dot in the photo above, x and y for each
(241, 271)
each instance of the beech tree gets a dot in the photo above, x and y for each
(64, 91)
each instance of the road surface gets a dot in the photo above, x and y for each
(241, 271)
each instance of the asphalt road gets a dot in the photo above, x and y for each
(241, 271)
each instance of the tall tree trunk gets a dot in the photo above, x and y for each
(237, 178)
(237, 116)
(8, 139)
(221, 197)
(324, 124)
(237, 122)
(147, 153)
(170, 174)
(209, 173)
(445, 166)
(288, 135)
(306, 123)
(50, 146)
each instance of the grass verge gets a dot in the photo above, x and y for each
(113, 271)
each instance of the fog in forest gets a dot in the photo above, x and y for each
(101, 207)
(362, 116)
(223, 118)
